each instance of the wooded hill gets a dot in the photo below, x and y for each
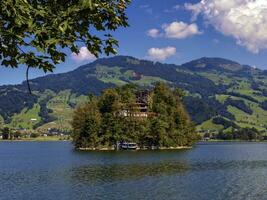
(220, 94)
(124, 114)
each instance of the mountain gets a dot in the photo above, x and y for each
(219, 64)
(220, 93)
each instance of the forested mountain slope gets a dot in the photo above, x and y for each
(220, 93)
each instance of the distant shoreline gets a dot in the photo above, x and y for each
(35, 141)
(58, 139)
(233, 141)
(39, 139)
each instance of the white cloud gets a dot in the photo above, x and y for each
(180, 30)
(244, 20)
(176, 30)
(154, 33)
(195, 8)
(83, 55)
(161, 54)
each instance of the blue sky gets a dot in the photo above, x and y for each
(177, 31)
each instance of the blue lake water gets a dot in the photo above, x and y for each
(53, 170)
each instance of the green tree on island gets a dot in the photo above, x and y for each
(6, 133)
(115, 117)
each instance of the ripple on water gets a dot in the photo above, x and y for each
(206, 172)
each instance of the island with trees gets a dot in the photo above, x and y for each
(153, 119)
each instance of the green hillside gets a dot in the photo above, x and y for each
(220, 94)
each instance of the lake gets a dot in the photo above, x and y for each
(53, 170)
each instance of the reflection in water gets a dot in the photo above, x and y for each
(236, 180)
(117, 172)
(120, 172)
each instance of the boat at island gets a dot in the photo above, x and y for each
(128, 146)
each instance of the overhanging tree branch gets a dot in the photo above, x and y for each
(45, 28)
(27, 80)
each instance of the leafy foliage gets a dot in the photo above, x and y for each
(5, 133)
(86, 124)
(49, 26)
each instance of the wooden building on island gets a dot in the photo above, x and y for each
(140, 108)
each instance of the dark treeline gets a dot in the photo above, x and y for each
(225, 122)
(240, 104)
(115, 116)
(246, 134)
(44, 113)
(202, 109)
(13, 101)
(250, 98)
(264, 105)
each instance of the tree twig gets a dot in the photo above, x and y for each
(27, 72)
(27, 79)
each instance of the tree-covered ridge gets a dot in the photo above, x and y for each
(102, 122)
(213, 90)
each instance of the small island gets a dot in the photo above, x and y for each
(152, 118)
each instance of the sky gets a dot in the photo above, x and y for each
(178, 31)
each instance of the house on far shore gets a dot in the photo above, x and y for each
(140, 108)
(206, 138)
